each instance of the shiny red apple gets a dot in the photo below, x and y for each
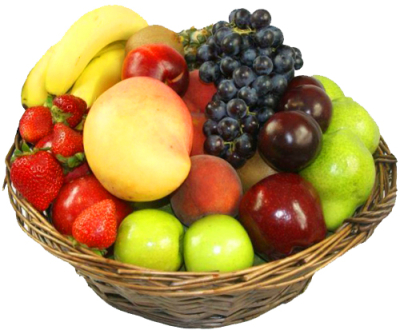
(78, 195)
(158, 61)
(310, 99)
(282, 215)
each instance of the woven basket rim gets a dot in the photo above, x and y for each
(357, 225)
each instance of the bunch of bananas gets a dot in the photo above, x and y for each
(88, 59)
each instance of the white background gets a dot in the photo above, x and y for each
(355, 43)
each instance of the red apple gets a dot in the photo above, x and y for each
(198, 136)
(199, 93)
(160, 62)
(78, 195)
(282, 215)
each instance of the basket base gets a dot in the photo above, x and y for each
(197, 311)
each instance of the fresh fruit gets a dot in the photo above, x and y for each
(78, 195)
(251, 69)
(343, 174)
(310, 99)
(198, 93)
(101, 73)
(35, 124)
(331, 88)
(137, 138)
(191, 40)
(96, 227)
(212, 187)
(198, 135)
(45, 143)
(34, 91)
(68, 109)
(282, 214)
(77, 172)
(38, 177)
(67, 145)
(304, 80)
(160, 62)
(154, 34)
(86, 37)
(349, 114)
(254, 171)
(290, 141)
(152, 239)
(217, 243)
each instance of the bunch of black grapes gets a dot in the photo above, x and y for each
(251, 68)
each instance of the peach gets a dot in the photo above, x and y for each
(198, 136)
(198, 93)
(212, 187)
(137, 138)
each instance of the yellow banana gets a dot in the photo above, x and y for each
(86, 37)
(101, 73)
(115, 45)
(34, 92)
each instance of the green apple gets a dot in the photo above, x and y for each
(349, 114)
(217, 243)
(331, 88)
(151, 239)
(343, 174)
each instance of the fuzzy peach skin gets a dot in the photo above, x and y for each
(137, 138)
(212, 187)
(198, 93)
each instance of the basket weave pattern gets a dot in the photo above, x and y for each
(206, 300)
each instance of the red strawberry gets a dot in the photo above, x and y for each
(66, 141)
(38, 177)
(35, 124)
(77, 172)
(96, 227)
(46, 142)
(68, 109)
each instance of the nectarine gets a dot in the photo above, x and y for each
(137, 138)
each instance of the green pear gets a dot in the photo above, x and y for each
(343, 174)
(331, 88)
(349, 114)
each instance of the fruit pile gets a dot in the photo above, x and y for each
(197, 151)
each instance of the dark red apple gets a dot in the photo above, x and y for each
(290, 141)
(159, 61)
(304, 80)
(78, 195)
(310, 99)
(282, 215)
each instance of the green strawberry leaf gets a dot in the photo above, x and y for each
(49, 101)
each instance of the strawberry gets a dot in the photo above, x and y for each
(68, 109)
(38, 177)
(96, 227)
(67, 145)
(35, 124)
(45, 142)
(77, 172)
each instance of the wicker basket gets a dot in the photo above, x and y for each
(207, 300)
